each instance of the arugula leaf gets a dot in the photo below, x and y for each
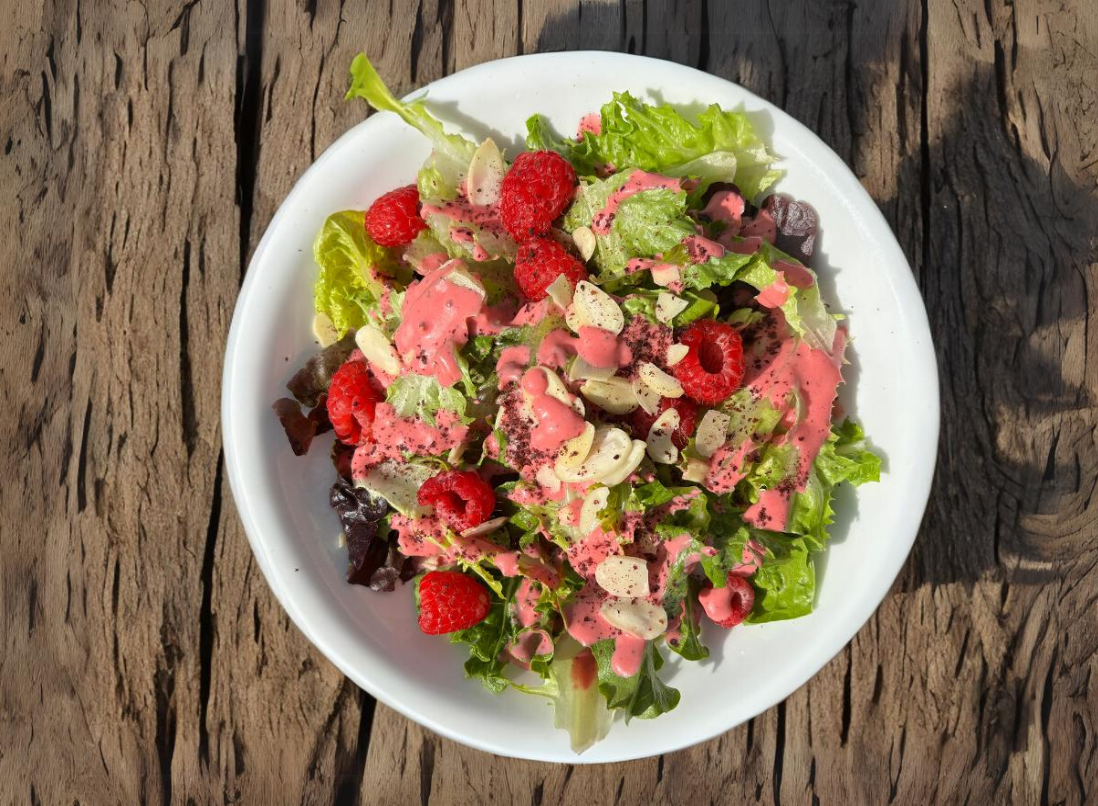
(422, 396)
(347, 287)
(445, 169)
(690, 645)
(643, 695)
(488, 639)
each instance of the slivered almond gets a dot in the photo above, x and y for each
(580, 370)
(485, 528)
(676, 353)
(632, 462)
(456, 452)
(712, 431)
(623, 576)
(696, 470)
(659, 444)
(665, 275)
(668, 306)
(574, 451)
(560, 291)
(485, 176)
(585, 242)
(637, 617)
(377, 349)
(614, 395)
(610, 451)
(324, 330)
(459, 276)
(547, 478)
(655, 378)
(593, 307)
(593, 504)
(647, 397)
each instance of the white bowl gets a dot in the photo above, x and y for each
(282, 499)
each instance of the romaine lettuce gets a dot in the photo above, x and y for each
(347, 288)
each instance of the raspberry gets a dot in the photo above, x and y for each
(450, 601)
(352, 399)
(688, 417)
(460, 497)
(713, 368)
(539, 262)
(535, 192)
(393, 220)
(741, 598)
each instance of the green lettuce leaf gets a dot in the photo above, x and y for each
(720, 147)
(422, 396)
(785, 586)
(689, 645)
(642, 302)
(643, 695)
(445, 170)
(646, 224)
(347, 287)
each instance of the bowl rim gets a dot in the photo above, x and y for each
(853, 191)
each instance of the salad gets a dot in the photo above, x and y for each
(583, 396)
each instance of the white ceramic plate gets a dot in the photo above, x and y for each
(892, 389)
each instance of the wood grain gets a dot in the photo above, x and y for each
(145, 148)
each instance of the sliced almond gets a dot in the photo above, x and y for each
(623, 576)
(655, 378)
(632, 462)
(485, 528)
(377, 349)
(324, 330)
(659, 444)
(485, 177)
(580, 370)
(547, 478)
(593, 307)
(676, 353)
(585, 242)
(712, 431)
(398, 483)
(614, 395)
(668, 306)
(637, 617)
(647, 397)
(460, 277)
(456, 452)
(593, 504)
(696, 470)
(560, 291)
(664, 275)
(575, 451)
(610, 450)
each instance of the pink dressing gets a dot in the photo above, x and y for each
(638, 182)
(795, 274)
(776, 374)
(557, 422)
(726, 467)
(507, 562)
(701, 249)
(726, 206)
(775, 294)
(598, 347)
(511, 364)
(526, 602)
(435, 324)
(628, 655)
(742, 246)
(762, 225)
(583, 618)
(531, 313)
(585, 555)
(392, 437)
(591, 122)
(529, 645)
(431, 262)
(717, 603)
(493, 319)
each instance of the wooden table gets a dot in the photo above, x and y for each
(145, 148)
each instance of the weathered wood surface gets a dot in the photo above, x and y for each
(145, 148)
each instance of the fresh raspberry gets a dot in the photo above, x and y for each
(393, 220)
(688, 418)
(352, 399)
(535, 192)
(539, 262)
(450, 601)
(742, 599)
(713, 368)
(460, 497)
